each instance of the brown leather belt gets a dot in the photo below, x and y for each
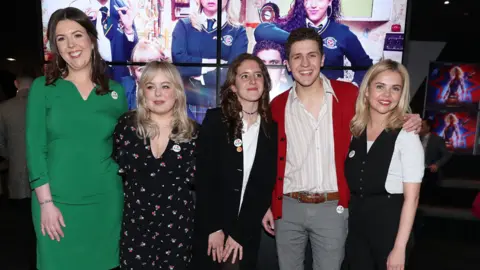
(305, 197)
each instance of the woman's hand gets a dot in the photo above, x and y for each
(51, 221)
(232, 245)
(396, 260)
(268, 222)
(413, 122)
(215, 245)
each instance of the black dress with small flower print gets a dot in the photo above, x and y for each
(157, 225)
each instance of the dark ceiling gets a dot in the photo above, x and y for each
(430, 20)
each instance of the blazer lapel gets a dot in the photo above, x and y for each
(236, 155)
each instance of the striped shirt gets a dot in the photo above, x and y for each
(310, 165)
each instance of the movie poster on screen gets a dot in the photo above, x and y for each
(453, 85)
(458, 129)
(355, 33)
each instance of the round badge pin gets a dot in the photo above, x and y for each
(237, 143)
(239, 149)
(114, 95)
(340, 209)
(351, 154)
(176, 148)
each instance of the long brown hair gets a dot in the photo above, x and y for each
(231, 107)
(57, 67)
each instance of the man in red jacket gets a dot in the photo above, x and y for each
(311, 195)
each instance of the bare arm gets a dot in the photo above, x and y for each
(411, 194)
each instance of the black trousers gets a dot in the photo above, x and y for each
(373, 227)
(428, 191)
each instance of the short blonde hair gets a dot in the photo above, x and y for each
(232, 9)
(183, 128)
(362, 108)
(145, 49)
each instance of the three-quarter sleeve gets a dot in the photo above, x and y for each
(120, 150)
(411, 157)
(36, 134)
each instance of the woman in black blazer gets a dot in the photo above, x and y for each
(236, 165)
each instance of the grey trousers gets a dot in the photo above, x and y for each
(321, 224)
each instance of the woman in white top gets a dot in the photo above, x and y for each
(384, 170)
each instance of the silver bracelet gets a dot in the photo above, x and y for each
(46, 201)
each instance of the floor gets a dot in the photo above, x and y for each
(441, 243)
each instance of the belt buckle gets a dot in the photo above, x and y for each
(299, 197)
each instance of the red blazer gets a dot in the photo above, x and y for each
(342, 114)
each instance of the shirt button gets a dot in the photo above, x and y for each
(281, 158)
(279, 197)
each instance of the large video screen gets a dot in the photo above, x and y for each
(458, 129)
(187, 29)
(453, 85)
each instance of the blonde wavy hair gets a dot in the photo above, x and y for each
(455, 70)
(233, 13)
(362, 108)
(183, 128)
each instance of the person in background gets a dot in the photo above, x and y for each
(436, 156)
(145, 51)
(236, 165)
(194, 40)
(77, 201)
(154, 147)
(321, 15)
(12, 137)
(384, 170)
(12, 148)
(309, 202)
(117, 35)
(273, 55)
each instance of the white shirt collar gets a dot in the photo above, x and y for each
(323, 22)
(257, 123)
(327, 88)
(203, 20)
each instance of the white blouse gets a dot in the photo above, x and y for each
(407, 165)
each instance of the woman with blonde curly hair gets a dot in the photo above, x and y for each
(384, 170)
(154, 148)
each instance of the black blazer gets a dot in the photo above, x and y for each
(219, 178)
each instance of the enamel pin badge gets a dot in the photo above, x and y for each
(340, 209)
(114, 95)
(351, 154)
(238, 144)
(176, 148)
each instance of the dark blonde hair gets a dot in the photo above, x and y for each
(362, 108)
(183, 128)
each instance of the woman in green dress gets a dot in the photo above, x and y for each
(71, 114)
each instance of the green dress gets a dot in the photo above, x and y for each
(69, 146)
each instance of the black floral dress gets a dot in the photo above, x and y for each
(157, 225)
